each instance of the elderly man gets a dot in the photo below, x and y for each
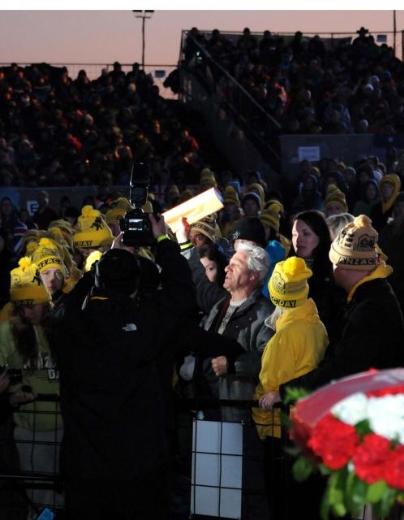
(240, 315)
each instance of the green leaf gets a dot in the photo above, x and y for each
(358, 492)
(386, 503)
(336, 494)
(293, 394)
(302, 469)
(324, 470)
(376, 492)
(363, 428)
(325, 506)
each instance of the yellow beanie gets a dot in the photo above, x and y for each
(186, 195)
(74, 276)
(270, 219)
(173, 191)
(61, 226)
(333, 195)
(47, 256)
(92, 230)
(275, 205)
(395, 181)
(288, 285)
(355, 246)
(230, 196)
(26, 284)
(207, 178)
(118, 209)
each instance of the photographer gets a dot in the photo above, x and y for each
(109, 347)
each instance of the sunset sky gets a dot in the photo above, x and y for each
(106, 36)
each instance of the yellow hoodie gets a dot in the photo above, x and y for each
(297, 347)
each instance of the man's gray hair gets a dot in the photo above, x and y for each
(258, 259)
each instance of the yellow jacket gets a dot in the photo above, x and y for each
(297, 347)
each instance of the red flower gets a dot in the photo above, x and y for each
(395, 469)
(371, 457)
(334, 441)
(391, 390)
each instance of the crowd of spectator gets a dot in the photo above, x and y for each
(309, 85)
(59, 131)
(287, 282)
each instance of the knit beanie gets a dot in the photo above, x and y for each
(288, 285)
(254, 196)
(47, 256)
(271, 215)
(207, 227)
(355, 246)
(173, 192)
(26, 284)
(257, 188)
(230, 196)
(62, 227)
(207, 178)
(186, 195)
(117, 210)
(334, 194)
(275, 205)
(92, 230)
(117, 272)
(250, 228)
(395, 181)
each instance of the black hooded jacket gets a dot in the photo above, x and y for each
(108, 351)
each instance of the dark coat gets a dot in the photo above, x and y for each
(391, 242)
(372, 337)
(108, 352)
(247, 329)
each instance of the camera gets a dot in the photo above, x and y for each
(135, 224)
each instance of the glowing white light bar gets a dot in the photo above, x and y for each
(194, 209)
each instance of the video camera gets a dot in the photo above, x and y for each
(135, 224)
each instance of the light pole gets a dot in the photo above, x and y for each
(144, 15)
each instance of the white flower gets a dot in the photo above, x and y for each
(386, 416)
(352, 409)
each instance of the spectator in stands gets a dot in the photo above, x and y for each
(230, 212)
(335, 201)
(251, 204)
(370, 196)
(5, 267)
(44, 214)
(337, 222)
(391, 242)
(389, 189)
(309, 197)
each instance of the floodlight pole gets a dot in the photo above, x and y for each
(394, 31)
(144, 15)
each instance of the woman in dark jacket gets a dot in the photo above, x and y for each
(311, 241)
